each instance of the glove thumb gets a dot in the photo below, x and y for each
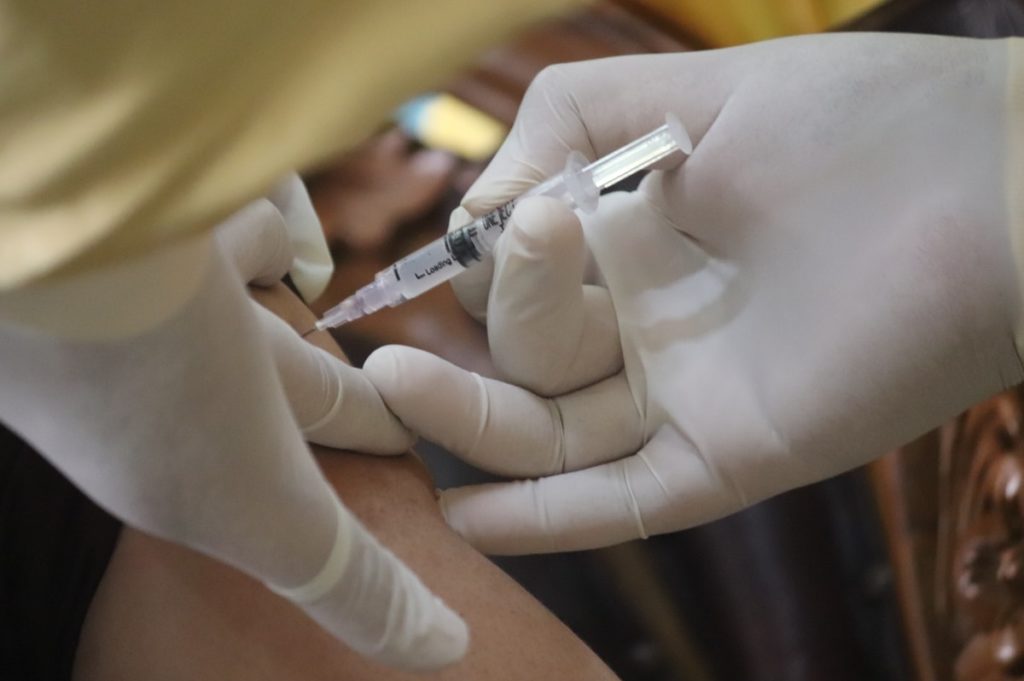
(547, 331)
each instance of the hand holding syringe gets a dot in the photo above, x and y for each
(437, 262)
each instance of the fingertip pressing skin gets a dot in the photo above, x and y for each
(358, 419)
(334, 403)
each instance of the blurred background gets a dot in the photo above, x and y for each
(908, 569)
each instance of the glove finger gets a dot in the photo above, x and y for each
(666, 486)
(567, 108)
(255, 239)
(503, 428)
(548, 332)
(312, 266)
(335, 404)
(383, 610)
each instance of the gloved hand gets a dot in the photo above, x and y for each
(828, 275)
(334, 403)
(173, 418)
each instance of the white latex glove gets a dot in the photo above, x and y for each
(828, 275)
(334, 403)
(174, 420)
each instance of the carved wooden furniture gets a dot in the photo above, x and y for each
(953, 502)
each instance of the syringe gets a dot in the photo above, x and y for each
(578, 185)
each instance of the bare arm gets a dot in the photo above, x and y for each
(164, 612)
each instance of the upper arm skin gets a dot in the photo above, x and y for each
(164, 612)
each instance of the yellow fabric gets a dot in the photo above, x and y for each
(455, 126)
(126, 124)
(731, 22)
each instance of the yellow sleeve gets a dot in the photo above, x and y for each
(125, 125)
(719, 23)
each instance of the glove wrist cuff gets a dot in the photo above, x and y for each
(1015, 159)
(333, 568)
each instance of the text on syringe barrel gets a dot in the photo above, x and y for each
(441, 260)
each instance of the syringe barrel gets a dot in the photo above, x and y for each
(441, 260)
(574, 186)
(421, 270)
(578, 186)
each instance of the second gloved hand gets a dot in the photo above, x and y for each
(828, 275)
